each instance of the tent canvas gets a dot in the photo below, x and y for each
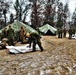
(16, 26)
(21, 49)
(48, 30)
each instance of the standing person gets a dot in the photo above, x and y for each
(22, 34)
(35, 39)
(0, 36)
(4, 33)
(73, 31)
(58, 32)
(10, 36)
(70, 33)
(64, 31)
(61, 32)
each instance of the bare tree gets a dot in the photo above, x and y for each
(4, 7)
(74, 18)
(50, 11)
(21, 8)
(26, 12)
(37, 13)
(65, 14)
(60, 15)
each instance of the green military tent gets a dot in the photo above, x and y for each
(48, 30)
(16, 26)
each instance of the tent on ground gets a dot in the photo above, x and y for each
(16, 26)
(48, 30)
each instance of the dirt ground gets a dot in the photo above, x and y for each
(58, 58)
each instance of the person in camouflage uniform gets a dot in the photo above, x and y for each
(73, 31)
(22, 34)
(70, 33)
(4, 33)
(64, 31)
(60, 32)
(0, 36)
(10, 36)
(35, 39)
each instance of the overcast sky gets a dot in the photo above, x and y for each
(72, 4)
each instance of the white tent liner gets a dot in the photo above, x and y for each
(21, 49)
